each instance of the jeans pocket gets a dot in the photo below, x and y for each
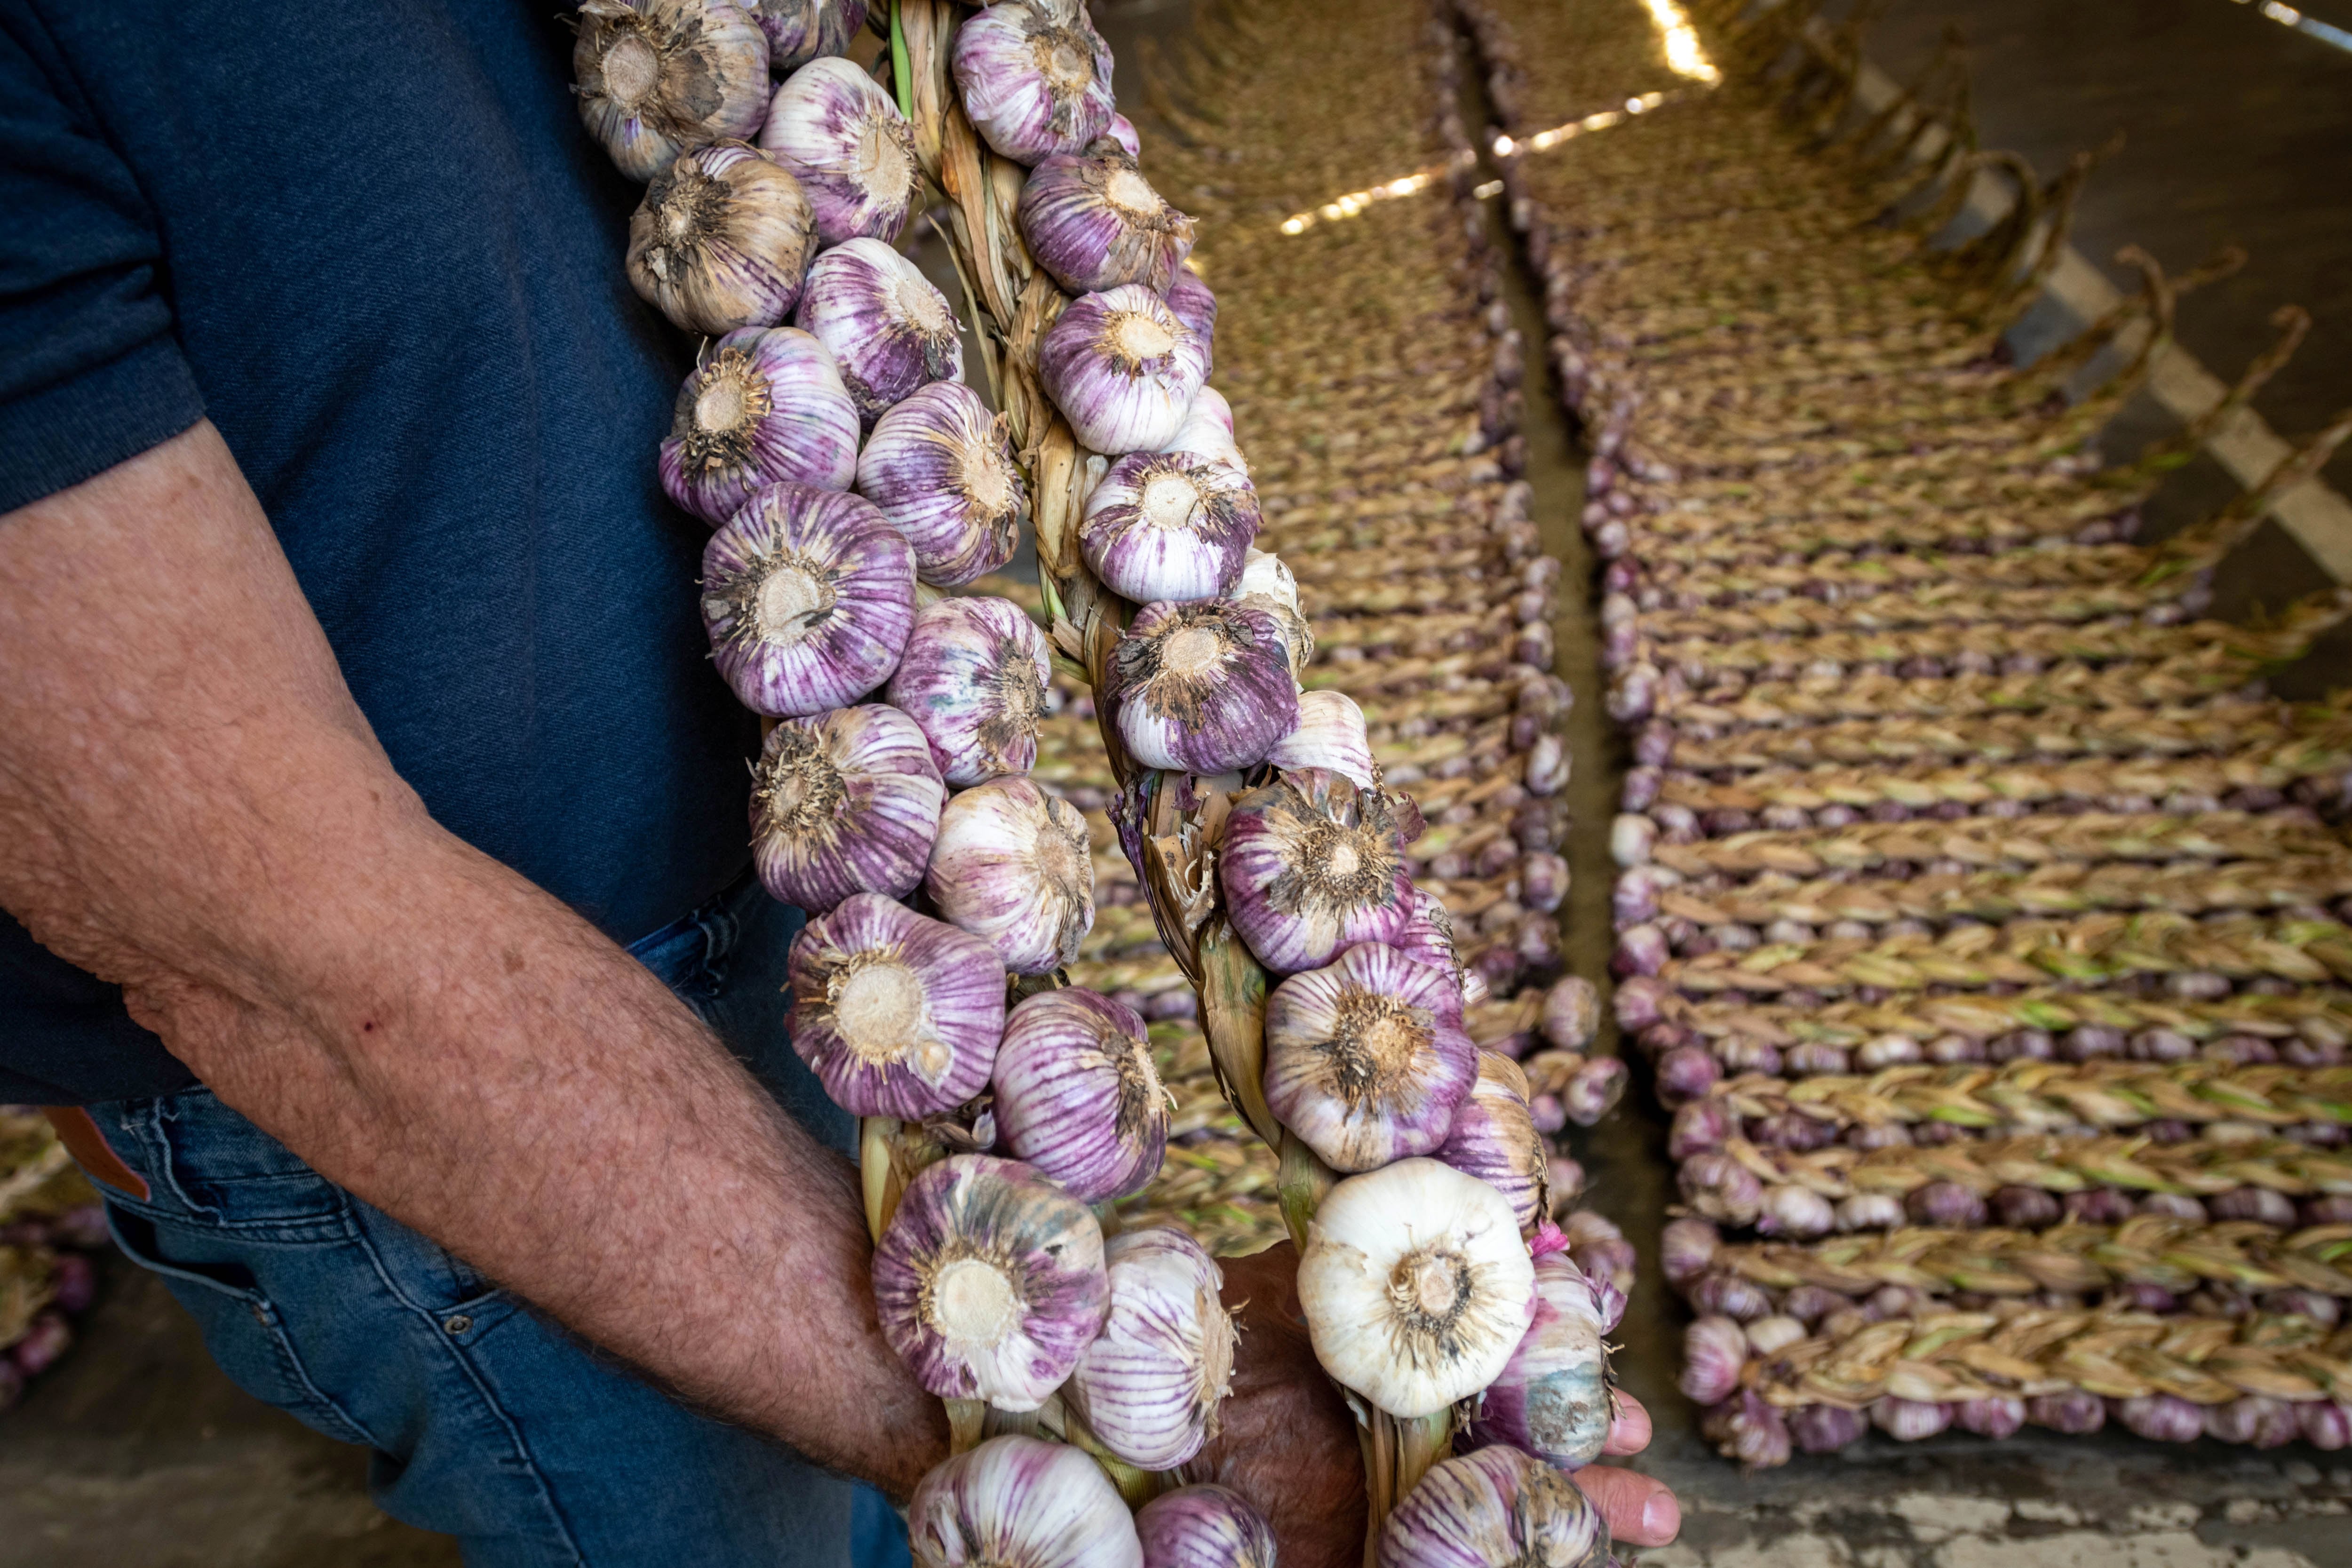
(230, 1172)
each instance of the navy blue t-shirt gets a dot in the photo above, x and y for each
(372, 243)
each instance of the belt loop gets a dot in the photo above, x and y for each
(77, 1131)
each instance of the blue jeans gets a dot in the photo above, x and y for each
(487, 1423)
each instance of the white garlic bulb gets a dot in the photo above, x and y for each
(1330, 733)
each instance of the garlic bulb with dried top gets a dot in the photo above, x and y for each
(1078, 1095)
(1313, 864)
(1365, 1060)
(1012, 865)
(765, 405)
(846, 802)
(722, 240)
(1094, 222)
(974, 678)
(657, 78)
(1149, 1388)
(1122, 368)
(1166, 525)
(1034, 76)
(897, 1014)
(1204, 688)
(808, 597)
(852, 151)
(888, 328)
(940, 469)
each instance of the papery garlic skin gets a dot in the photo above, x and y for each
(847, 802)
(1014, 867)
(1203, 1527)
(1494, 1138)
(656, 78)
(1094, 222)
(941, 470)
(974, 678)
(1169, 526)
(1415, 1285)
(1191, 302)
(852, 151)
(1267, 586)
(896, 1014)
(722, 240)
(1122, 368)
(1330, 733)
(765, 405)
(1312, 864)
(1149, 1386)
(889, 331)
(1365, 1060)
(1207, 433)
(1427, 934)
(800, 30)
(1122, 130)
(1034, 78)
(808, 597)
(1020, 1503)
(1203, 688)
(989, 1281)
(1493, 1508)
(1078, 1095)
(1551, 1398)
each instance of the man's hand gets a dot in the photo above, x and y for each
(1287, 1441)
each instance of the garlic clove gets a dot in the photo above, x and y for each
(989, 1281)
(1493, 1508)
(1012, 865)
(1190, 301)
(852, 151)
(847, 802)
(1034, 78)
(897, 1014)
(722, 240)
(974, 680)
(800, 30)
(766, 404)
(808, 597)
(1312, 864)
(1169, 526)
(1203, 688)
(657, 78)
(1330, 734)
(1149, 1386)
(1415, 1286)
(888, 328)
(1551, 1398)
(1203, 1526)
(1123, 369)
(1094, 222)
(1365, 1060)
(1494, 1138)
(940, 468)
(1079, 1097)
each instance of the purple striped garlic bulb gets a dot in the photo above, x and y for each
(1020, 1503)
(1078, 1095)
(1495, 1508)
(766, 404)
(1094, 222)
(808, 597)
(1415, 1285)
(1208, 432)
(1203, 688)
(1313, 864)
(1203, 1527)
(1164, 525)
(1012, 865)
(846, 802)
(974, 680)
(1122, 368)
(989, 1281)
(800, 30)
(1192, 303)
(1365, 1060)
(1330, 733)
(1551, 1398)
(1494, 1139)
(656, 78)
(896, 1014)
(1427, 934)
(940, 468)
(888, 329)
(852, 151)
(722, 240)
(1149, 1386)
(1034, 76)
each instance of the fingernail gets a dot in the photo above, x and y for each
(1661, 1516)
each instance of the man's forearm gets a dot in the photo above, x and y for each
(193, 807)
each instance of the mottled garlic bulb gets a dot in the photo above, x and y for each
(659, 78)
(974, 678)
(1496, 1508)
(1204, 688)
(800, 30)
(1365, 1060)
(853, 154)
(1312, 864)
(1078, 1095)
(1014, 867)
(1494, 1138)
(722, 240)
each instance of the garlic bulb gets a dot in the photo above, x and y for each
(974, 680)
(765, 405)
(1267, 586)
(1149, 1388)
(1020, 1503)
(1330, 734)
(852, 151)
(722, 240)
(897, 1014)
(940, 468)
(989, 1281)
(1494, 1138)
(1204, 688)
(887, 328)
(1551, 1399)
(1203, 1527)
(1366, 1060)
(1094, 222)
(1207, 432)
(1495, 1508)
(847, 802)
(1165, 525)
(1012, 867)
(1427, 934)
(1415, 1286)
(1078, 1096)
(1192, 303)
(800, 30)
(1034, 78)
(658, 77)
(808, 596)
(1122, 369)
(1313, 864)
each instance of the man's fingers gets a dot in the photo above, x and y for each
(1629, 1428)
(1640, 1511)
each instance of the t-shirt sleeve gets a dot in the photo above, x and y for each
(90, 373)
